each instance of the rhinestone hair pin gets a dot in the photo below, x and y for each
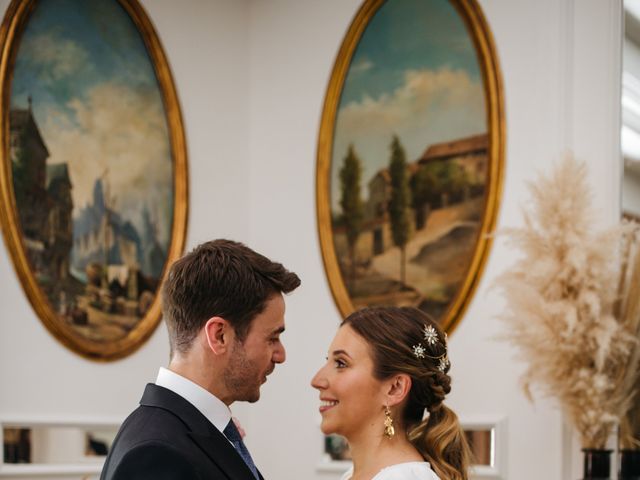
(431, 338)
(419, 351)
(430, 334)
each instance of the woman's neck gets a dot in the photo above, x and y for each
(371, 452)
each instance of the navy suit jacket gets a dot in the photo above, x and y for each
(166, 437)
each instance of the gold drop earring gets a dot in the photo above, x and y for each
(389, 431)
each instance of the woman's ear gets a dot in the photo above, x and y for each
(398, 388)
(217, 334)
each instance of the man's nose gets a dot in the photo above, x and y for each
(280, 354)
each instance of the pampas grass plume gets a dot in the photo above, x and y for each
(567, 304)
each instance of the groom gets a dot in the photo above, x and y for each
(224, 309)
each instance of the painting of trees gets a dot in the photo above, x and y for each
(351, 205)
(424, 185)
(436, 185)
(399, 202)
(410, 154)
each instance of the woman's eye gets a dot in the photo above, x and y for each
(340, 363)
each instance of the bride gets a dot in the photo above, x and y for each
(386, 367)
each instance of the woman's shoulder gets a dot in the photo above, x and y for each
(402, 471)
(407, 471)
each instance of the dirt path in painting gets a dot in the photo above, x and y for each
(437, 255)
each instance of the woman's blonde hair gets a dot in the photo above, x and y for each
(393, 333)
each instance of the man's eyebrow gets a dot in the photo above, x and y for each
(277, 331)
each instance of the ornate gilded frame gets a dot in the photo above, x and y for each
(479, 31)
(13, 24)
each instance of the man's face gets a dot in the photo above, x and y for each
(255, 358)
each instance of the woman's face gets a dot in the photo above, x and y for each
(351, 399)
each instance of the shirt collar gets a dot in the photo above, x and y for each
(205, 402)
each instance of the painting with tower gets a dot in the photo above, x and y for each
(91, 166)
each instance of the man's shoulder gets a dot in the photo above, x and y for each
(151, 459)
(151, 423)
(150, 438)
(165, 431)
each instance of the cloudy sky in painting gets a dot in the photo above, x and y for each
(415, 74)
(97, 104)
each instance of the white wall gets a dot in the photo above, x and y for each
(560, 64)
(251, 77)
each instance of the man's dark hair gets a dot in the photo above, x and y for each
(220, 278)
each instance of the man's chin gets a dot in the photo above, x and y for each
(251, 397)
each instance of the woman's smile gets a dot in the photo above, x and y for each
(327, 405)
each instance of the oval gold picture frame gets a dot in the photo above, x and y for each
(141, 315)
(328, 228)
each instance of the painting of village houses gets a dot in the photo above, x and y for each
(410, 161)
(91, 166)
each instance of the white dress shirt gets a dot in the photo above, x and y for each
(208, 404)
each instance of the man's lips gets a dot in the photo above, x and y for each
(268, 373)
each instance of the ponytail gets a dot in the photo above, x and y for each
(441, 441)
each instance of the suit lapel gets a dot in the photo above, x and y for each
(212, 442)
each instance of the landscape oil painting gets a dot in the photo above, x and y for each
(409, 158)
(94, 168)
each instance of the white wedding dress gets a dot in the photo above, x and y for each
(402, 471)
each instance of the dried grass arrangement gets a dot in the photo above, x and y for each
(573, 304)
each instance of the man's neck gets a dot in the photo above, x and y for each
(194, 369)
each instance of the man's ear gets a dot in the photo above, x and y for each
(398, 388)
(218, 335)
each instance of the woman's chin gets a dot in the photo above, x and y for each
(326, 428)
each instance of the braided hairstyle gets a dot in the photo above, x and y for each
(392, 333)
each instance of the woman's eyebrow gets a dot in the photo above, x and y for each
(341, 352)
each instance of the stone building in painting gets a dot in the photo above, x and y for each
(468, 154)
(44, 203)
(29, 153)
(59, 235)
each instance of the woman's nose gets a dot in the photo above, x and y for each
(319, 381)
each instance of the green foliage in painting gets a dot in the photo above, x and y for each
(400, 201)
(424, 185)
(436, 185)
(351, 203)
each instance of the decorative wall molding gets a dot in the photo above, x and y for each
(90, 466)
(591, 37)
(498, 425)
